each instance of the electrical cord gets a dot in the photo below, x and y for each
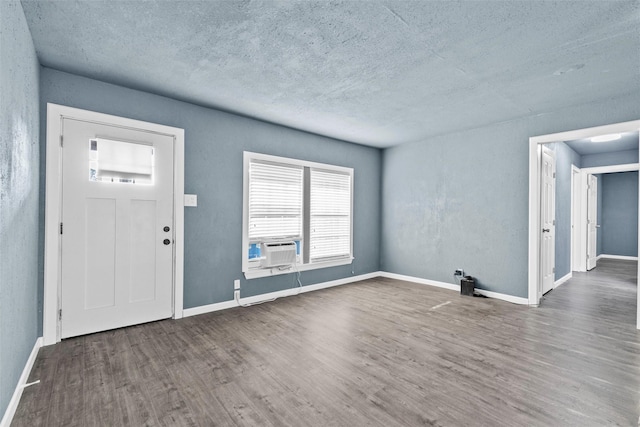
(295, 267)
(237, 298)
(296, 271)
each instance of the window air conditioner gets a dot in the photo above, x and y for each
(276, 254)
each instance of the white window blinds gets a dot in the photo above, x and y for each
(275, 200)
(330, 215)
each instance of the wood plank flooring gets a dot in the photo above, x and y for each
(372, 353)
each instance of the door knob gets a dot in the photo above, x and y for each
(166, 241)
(546, 230)
(166, 229)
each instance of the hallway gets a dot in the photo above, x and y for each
(607, 293)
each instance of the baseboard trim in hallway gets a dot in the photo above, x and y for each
(17, 394)
(623, 257)
(562, 280)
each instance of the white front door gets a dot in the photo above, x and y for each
(548, 204)
(592, 221)
(117, 227)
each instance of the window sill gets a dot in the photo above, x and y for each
(275, 271)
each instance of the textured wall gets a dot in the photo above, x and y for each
(565, 157)
(18, 197)
(619, 221)
(461, 199)
(214, 142)
(610, 159)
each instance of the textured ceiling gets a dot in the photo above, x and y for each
(371, 72)
(628, 141)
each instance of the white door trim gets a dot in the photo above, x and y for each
(590, 179)
(53, 205)
(534, 196)
(575, 212)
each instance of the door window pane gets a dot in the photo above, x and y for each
(120, 162)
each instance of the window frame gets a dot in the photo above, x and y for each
(255, 272)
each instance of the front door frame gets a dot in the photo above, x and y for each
(53, 207)
(535, 151)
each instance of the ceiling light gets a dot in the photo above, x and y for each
(606, 138)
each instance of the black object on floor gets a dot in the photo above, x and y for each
(467, 285)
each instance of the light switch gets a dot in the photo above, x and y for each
(191, 200)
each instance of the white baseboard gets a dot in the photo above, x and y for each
(202, 309)
(187, 312)
(561, 280)
(626, 258)
(453, 287)
(504, 297)
(310, 288)
(450, 286)
(17, 394)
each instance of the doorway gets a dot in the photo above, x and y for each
(535, 199)
(113, 222)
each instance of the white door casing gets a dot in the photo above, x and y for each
(548, 206)
(592, 221)
(117, 260)
(54, 298)
(575, 218)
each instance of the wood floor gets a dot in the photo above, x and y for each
(379, 352)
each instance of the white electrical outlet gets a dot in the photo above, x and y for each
(236, 284)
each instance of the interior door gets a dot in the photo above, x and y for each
(117, 227)
(592, 221)
(548, 205)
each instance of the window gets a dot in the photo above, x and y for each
(120, 162)
(330, 215)
(275, 201)
(293, 205)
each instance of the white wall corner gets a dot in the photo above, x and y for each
(17, 394)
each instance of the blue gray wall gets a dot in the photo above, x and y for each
(610, 159)
(461, 199)
(619, 218)
(214, 142)
(565, 157)
(18, 197)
